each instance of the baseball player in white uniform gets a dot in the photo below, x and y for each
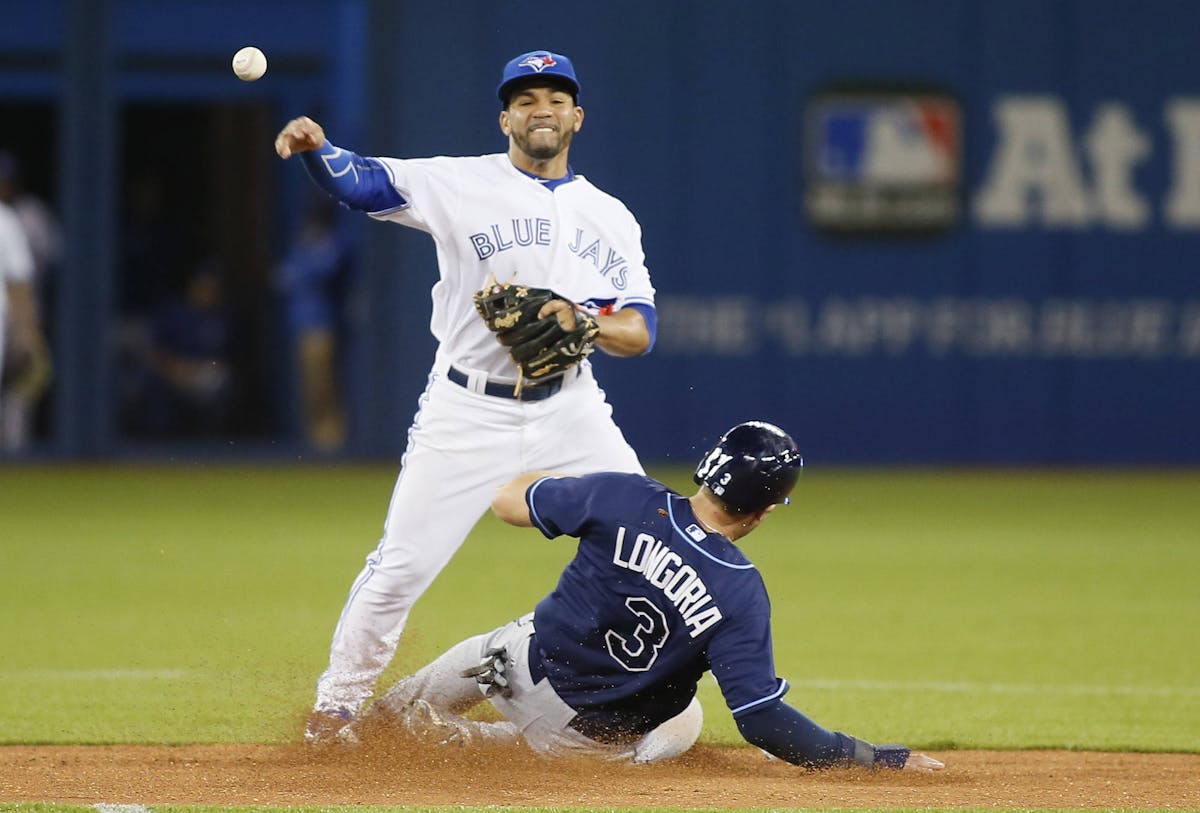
(525, 217)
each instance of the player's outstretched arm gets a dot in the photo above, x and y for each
(509, 503)
(788, 734)
(359, 183)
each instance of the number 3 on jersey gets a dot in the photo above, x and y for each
(638, 650)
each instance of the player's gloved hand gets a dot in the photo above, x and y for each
(896, 757)
(893, 756)
(491, 672)
(546, 334)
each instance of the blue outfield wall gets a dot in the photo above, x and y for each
(912, 231)
(1049, 313)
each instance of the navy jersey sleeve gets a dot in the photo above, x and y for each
(742, 659)
(562, 505)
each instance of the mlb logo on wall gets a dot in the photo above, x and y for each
(883, 160)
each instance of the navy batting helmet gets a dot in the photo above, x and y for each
(753, 465)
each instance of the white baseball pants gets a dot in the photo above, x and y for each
(462, 446)
(534, 712)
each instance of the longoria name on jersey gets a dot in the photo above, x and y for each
(660, 566)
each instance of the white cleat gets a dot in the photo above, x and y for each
(329, 728)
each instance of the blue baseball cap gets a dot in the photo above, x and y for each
(536, 64)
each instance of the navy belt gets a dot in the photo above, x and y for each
(529, 392)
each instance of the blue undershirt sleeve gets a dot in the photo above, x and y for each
(786, 733)
(362, 184)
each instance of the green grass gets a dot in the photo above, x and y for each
(962, 609)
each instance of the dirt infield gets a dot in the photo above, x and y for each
(404, 773)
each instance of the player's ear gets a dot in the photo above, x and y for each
(504, 126)
(578, 118)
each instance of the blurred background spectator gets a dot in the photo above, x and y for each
(181, 381)
(152, 247)
(314, 278)
(29, 374)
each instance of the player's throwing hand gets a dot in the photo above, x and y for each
(299, 135)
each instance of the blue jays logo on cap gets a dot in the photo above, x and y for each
(537, 63)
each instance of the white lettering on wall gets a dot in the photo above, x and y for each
(1115, 147)
(1034, 175)
(948, 327)
(1182, 210)
(723, 325)
(1042, 174)
(1189, 331)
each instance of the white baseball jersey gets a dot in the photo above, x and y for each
(487, 217)
(16, 262)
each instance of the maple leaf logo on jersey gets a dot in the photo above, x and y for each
(539, 62)
(603, 307)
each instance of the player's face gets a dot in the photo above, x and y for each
(541, 121)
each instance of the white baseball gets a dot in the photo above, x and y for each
(249, 64)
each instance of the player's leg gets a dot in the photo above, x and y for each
(430, 702)
(448, 476)
(531, 709)
(673, 737)
(16, 421)
(413, 550)
(534, 708)
(440, 682)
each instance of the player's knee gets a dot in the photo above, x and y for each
(672, 738)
